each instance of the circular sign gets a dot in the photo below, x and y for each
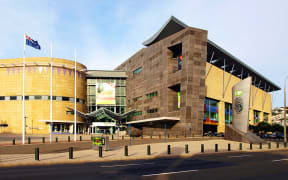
(238, 105)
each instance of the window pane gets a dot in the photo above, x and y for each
(123, 91)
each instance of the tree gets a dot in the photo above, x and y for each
(277, 128)
(263, 126)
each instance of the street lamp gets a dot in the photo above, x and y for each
(285, 124)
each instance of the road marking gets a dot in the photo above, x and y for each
(123, 165)
(239, 156)
(280, 160)
(159, 174)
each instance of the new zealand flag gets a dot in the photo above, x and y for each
(32, 43)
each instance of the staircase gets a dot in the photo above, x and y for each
(234, 134)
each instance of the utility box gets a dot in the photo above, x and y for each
(98, 141)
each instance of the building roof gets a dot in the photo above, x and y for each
(216, 56)
(105, 74)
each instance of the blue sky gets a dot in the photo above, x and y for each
(105, 33)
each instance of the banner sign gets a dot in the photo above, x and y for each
(241, 104)
(105, 93)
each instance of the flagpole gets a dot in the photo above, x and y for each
(75, 97)
(23, 95)
(51, 88)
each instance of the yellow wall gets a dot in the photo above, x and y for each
(214, 90)
(37, 83)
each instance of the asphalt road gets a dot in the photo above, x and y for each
(251, 165)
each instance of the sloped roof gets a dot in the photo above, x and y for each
(174, 25)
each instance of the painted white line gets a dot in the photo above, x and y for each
(239, 156)
(280, 160)
(192, 170)
(123, 165)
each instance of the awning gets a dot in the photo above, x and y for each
(170, 119)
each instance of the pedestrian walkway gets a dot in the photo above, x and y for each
(134, 152)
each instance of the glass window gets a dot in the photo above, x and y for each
(118, 89)
(45, 97)
(77, 100)
(118, 100)
(26, 97)
(154, 110)
(123, 82)
(256, 116)
(122, 109)
(69, 112)
(2, 97)
(266, 116)
(92, 90)
(118, 82)
(31, 97)
(122, 100)
(58, 98)
(13, 97)
(138, 70)
(228, 113)
(19, 98)
(123, 91)
(38, 97)
(65, 98)
(211, 111)
(71, 99)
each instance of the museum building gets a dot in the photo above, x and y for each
(180, 82)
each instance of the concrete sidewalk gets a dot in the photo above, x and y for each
(135, 152)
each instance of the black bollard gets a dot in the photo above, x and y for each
(285, 144)
(37, 154)
(126, 150)
(168, 149)
(277, 144)
(216, 147)
(229, 147)
(29, 140)
(100, 151)
(251, 146)
(68, 138)
(148, 150)
(112, 137)
(186, 149)
(168, 136)
(56, 140)
(269, 145)
(240, 146)
(80, 138)
(202, 148)
(13, 141)
(260, 146)
(43, 140)
(70, 152)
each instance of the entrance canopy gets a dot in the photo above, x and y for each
(155, 120)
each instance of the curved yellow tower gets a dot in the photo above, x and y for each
(37, 95)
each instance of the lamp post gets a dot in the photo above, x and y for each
(285, 124)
